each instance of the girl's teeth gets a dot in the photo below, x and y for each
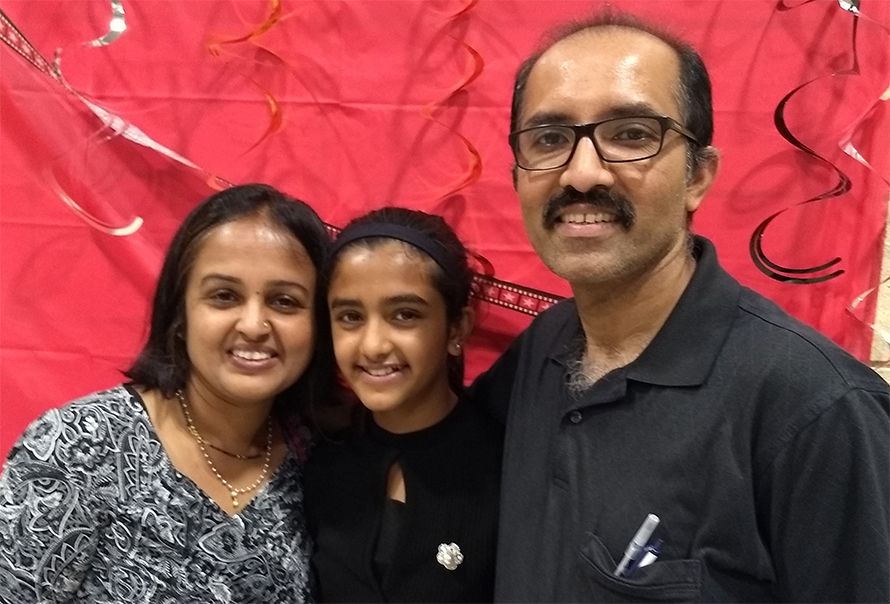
(252, 355)
(381, 372)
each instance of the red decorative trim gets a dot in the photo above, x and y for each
(515, 297)
(500, 293)
(13, 38)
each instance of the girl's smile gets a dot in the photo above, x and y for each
(391, 334)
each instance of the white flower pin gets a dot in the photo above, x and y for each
(449, 555)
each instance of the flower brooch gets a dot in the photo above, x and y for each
(449, 555)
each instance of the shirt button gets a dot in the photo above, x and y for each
(575, 417)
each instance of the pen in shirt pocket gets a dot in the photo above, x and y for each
(635, 548)
(647, 556)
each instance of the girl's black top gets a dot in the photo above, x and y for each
(452, 481)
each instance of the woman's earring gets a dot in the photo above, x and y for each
(457, 350)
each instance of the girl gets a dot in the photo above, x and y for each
(407, 512)
(180, 486)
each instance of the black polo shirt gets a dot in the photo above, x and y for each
(760, 444)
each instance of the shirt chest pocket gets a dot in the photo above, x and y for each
(662, 581)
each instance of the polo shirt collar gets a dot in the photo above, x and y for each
(684, 350)
(687, 345)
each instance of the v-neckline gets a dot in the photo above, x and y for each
(173, 471)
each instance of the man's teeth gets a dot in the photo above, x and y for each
(251, 355)
(588, 218)
(381, 372)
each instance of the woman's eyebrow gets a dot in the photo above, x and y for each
(236, 281)
(220, 277)
(286, 283)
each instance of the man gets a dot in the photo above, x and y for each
(663, 386)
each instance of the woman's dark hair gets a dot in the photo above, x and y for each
(454, 285)
(164, 363)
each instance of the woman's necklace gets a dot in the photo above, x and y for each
(201, 442)
(194, 432)
(221, 450)
(230, 454)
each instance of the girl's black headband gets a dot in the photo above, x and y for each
(418, 239)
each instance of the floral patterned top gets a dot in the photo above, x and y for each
(92, 510)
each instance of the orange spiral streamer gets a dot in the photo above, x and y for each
(216, 47)
(477, 65)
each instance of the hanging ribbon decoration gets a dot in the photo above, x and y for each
(14, 39)
(847, 146)
(806, 275)
(846, 142)
(217, 47)
(17, 41)
(477, 65)
(117, 26)
(113, 126)
(488, 289)
(884, 336)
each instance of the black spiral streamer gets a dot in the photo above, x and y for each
(807, 275)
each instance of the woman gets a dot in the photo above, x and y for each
(407, 512)
(183, 485)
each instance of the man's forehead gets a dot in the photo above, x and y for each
(610, 40)
(605, 68)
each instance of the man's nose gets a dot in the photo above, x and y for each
(586, 170)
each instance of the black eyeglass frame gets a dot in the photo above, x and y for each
(587, 130)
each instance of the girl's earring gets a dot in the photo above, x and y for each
(457, 350)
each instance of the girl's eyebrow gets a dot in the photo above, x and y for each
(340, 302)
(407, 299)
(391, 300)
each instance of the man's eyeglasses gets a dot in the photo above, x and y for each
(620, 139)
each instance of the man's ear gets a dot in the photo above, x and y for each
(460, 331)
(700, 181)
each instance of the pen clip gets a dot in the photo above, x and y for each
(647, 556)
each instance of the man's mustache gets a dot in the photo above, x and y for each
(600, 198)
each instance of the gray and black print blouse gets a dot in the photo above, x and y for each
(92, 510)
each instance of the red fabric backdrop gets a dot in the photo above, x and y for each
(355, 104)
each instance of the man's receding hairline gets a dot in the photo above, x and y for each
(610, 28)
(606, 28)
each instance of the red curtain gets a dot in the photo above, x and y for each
(355, 104)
